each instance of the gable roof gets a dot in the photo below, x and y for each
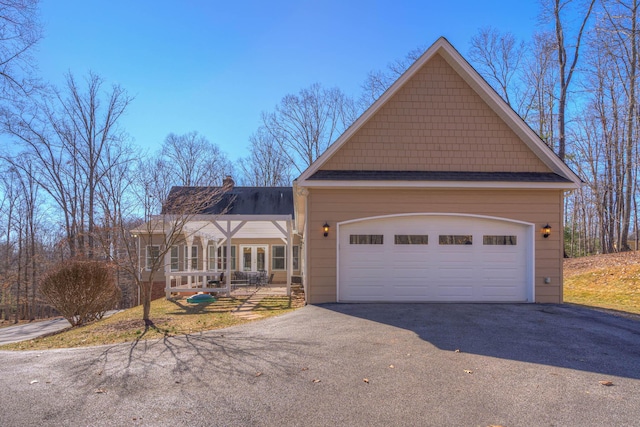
(566, 177)
(235, 201)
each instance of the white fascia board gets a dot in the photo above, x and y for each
(441, 184)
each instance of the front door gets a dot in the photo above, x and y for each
(254, 258)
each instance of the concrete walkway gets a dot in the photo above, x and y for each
(30, 331)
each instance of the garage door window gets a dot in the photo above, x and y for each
(411, 239)
(366, 239)
(455, 240)
(499, 240)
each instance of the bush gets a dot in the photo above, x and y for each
(82, 291)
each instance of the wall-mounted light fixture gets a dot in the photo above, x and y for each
(325, 228)
(546, 231)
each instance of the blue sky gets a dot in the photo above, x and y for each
(214, 66)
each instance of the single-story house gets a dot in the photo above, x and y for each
(228, 230)
(438, 192)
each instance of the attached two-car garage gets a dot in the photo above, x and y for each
(435, 257)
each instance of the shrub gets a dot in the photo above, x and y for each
(82, 291)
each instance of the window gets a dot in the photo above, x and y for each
(175, 266)
(455, 240)
(222, 258)
(411, 239)
(153, 253)
(194, 256)
(278, 257)
(499, 240)
(296, 258)
(365, 239)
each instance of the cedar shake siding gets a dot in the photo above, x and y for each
(436, 122)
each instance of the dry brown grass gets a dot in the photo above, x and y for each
(170, 317)
(609, 281)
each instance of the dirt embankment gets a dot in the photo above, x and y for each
(575, 266)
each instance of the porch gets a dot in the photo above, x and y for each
(235, 254)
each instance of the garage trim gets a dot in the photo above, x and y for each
(529, 245)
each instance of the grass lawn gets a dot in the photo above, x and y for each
(170, 317)
(606, 281)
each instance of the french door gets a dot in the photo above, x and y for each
(254, 257)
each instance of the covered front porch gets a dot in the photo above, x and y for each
(225, 253)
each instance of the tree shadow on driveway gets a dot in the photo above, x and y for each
(549, 334)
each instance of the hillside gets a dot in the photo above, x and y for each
(609, 281)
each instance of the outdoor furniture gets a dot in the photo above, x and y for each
(217, 280)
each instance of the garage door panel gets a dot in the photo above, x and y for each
(407, 269)
(455, 291)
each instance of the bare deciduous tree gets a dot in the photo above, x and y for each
(378, 81)
(194, 161)
(566, 64)
(20, 30)
(498, 57)
(267, 165)
(67, 136)
(304, 125)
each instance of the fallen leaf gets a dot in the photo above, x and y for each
(258, 374)
(391, 366)
(366, 380)
(100, 390)
(34, 382)
(304, 369)
(468, 371)
(315, 380)
(607, 383)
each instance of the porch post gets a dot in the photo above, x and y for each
(228, 269)
(189, 241)
(205, 253)
(167, 274)
(289, 256)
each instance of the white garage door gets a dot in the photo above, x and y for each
(435, 258)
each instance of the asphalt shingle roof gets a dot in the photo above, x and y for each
(236, 201)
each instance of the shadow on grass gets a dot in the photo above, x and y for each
(222, 305)
(274, 303)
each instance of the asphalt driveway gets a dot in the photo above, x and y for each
(368, 365)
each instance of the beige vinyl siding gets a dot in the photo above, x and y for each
(436, 122)
(534, 206)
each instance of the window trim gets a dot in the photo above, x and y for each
(366, 239)
(296, 258)
(176, 259)
(509, 240)
(424, 237)
(194, 260)
(283, 257)
(454, 238)
(221, 259)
